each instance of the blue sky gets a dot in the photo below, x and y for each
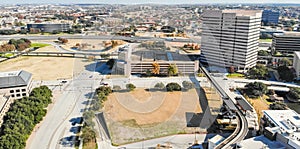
(143, 1)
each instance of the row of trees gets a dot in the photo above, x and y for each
(88, 132)
(22, 117)
(170, 87)
(102, 93)
(13, 44)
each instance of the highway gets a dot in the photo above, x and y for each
(100, 37)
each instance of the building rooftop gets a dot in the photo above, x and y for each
(287, 34)
(240, 12)
(14, 78)
(287, 120)
(260, 142)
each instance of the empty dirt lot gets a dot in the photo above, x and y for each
(137, 115)
(45, 68)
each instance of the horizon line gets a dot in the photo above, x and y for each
(91, 3)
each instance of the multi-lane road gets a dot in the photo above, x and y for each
(100, 37)
(57, 129)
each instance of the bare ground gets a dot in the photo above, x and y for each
(46, 68)
(156, 114)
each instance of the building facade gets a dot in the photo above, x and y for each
(136, 62)
(5, 102)
(286, 43)
(16, 84)
(270, 17)
(296, 64)
(49, 28)
(230, 38)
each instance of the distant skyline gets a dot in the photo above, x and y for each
(141, 1)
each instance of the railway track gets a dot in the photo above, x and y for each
(242, 126)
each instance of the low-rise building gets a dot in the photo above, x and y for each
(143, 61)
(286, 43)
(47, 27)
(296, 64)
(16, 84)
(282, 126)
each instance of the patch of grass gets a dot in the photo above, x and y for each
(90, 145)
(264, 98)
(134, 124)
(235, 75)
(7, 55)
(201, 75)
(265, 40)
(39, 45)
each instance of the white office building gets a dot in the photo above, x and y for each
(282, 126)
(230, 38)
(296, 64)
(16, 84)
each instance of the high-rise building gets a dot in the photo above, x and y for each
(270, 17)
(230, 38)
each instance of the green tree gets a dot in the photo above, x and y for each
(88, 134)
(278, 106)
(294, 94)
(285, 73)
(173, 87)
(172, 70)
(104, 89)
(258, 72)
(285, 62)
(88, 118)
(255, 89)
(263, 53)
(130, 87)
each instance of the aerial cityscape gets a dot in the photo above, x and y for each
(149, 74)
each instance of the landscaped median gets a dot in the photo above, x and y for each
(38, 45)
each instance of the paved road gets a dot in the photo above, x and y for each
(56, 130)
(101, 37)
(176, 141)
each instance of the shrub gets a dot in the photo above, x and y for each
(130, 87)
(104, 89)
(159, 86)
(173, 87)
(187, 85)
(116, 87)
(278, 106)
